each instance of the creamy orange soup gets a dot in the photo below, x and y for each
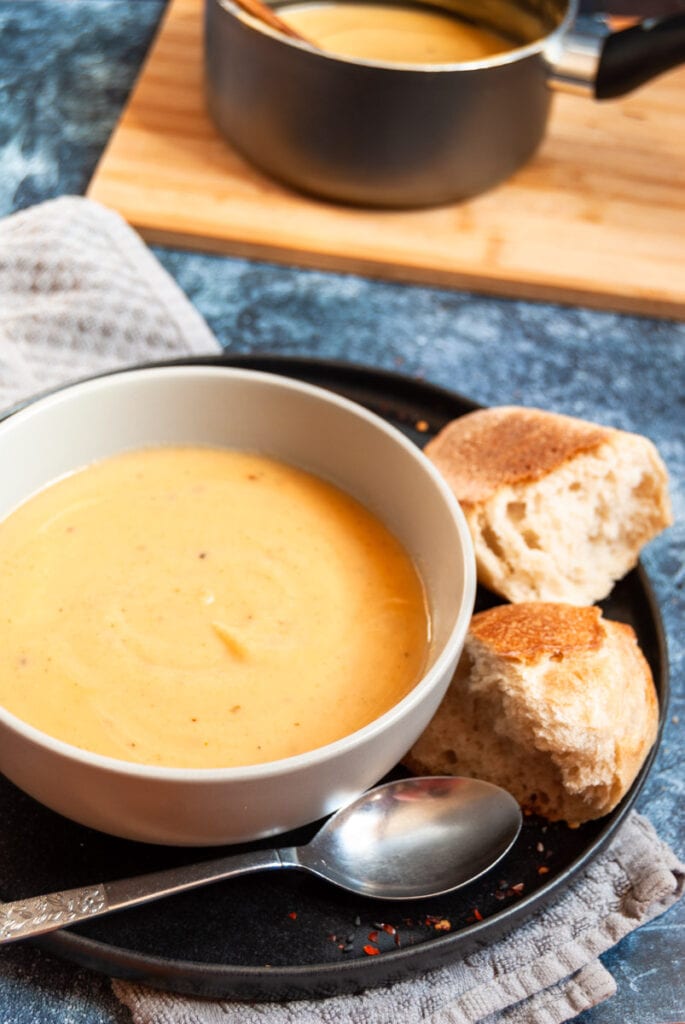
(198, 607)
(392, 32)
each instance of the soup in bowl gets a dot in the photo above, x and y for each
(233, 601)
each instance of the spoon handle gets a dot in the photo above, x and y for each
(264, 13)
(40, 914)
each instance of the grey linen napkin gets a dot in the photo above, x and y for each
(79, 294)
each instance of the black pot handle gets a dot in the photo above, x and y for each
(635, 55)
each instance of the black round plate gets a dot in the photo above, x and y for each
(286, 935)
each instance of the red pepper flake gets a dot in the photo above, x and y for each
(519, 887)
(543, 870)
(389, 929)
(293, 915)
(373, 936)
(371, 950)
(477, 914)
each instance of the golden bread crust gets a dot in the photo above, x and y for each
(531, 631)
(491, 448)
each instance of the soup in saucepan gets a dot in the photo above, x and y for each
(392, 33)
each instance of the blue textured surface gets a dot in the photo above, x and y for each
(66, 67)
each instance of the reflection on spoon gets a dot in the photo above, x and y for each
(405, 840)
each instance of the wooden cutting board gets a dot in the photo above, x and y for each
(596, 218)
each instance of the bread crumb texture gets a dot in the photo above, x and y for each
(552, 702)
(558, 508)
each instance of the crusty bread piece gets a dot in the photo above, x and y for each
(558, 508)
(551, 701)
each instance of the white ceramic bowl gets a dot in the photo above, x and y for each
(300, 424)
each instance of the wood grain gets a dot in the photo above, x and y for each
(596, 218)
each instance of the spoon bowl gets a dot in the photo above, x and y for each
(413, 838)
(404, 840)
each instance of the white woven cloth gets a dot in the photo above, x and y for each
(80, 293)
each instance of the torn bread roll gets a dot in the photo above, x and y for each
(558, 508)
(551, 701)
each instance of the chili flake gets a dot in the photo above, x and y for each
(293, 915)
(371, 950)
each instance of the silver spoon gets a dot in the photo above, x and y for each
(405, 840)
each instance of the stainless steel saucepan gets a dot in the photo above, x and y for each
(389, 135)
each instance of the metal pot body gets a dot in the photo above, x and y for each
(410, 135)
(365, 133)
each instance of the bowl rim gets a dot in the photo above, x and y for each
(282, 767)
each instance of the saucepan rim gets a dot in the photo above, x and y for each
(510, 56)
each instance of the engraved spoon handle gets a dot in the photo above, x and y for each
(40, 914)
